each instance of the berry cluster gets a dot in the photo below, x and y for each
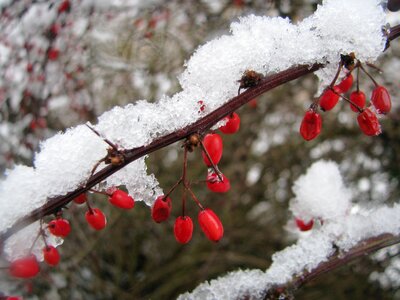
(216, 181)
(380, 102)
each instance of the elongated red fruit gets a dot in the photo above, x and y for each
(357, 98)
(381, 100)
(96, 218)
(183, 229)
(311, 125)
(26, 267)
(211, 225)
(215, 185)
(232, 124)
(369, 123)
(51, 255)
(345, 84)
(329, 99)
(213, 144)
(122, 200)
(161, 209)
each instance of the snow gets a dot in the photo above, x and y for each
(264, 44)
(343, 232)
(320, 193)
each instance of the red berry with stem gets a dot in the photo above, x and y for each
(329, 99)
(311, 125)
(211, 225)
(304, 226)
(183, 229)
(381, 100)
(26, 267)
(122, 200)
(213, 144)
(214, 183)
(59, 227)
(369, 123)
(232, 124)
(51, 255)
(345, 84)
(161, 209)
(80, 199)
(358, 98)
(96, 218)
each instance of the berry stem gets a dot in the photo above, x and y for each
(374, 67)
(336, 75)
(100, 192)
(348, 100)
(187, 187)
(173, 188)
(210, 160)
(89, 207)
(369, 75)
(184, 202)
(112, 145)
(358, 81)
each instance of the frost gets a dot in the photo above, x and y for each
(264, 44)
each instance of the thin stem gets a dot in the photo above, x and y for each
(172, 188)
(348, 100)
(358, 80)
(100, 192)
(89, 207)
(112, 145)
(184, 202)
(374, 67)
(34, 242)
(336, 75)
(211, 161)
(369, 75)
(187, 187)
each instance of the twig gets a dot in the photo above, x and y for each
(201, 125)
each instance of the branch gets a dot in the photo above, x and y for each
(337, 260)
(200, 126)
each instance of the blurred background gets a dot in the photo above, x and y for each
(63, 63)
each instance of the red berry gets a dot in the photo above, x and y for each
(345, 84)
(232, 125)
(122, 200)
(25, 267)
(80, 199)
(211, 225)
(329, 99)
(183, 229)
(161, 209)
(64, 6)
(96, 218)
(214, 184)
(369, 123)
(59, 227)
(311, 125)
(357, 98)
(13, 298)
(381, 100)
(51, 255)
(303, 226)
(213, 144)
(53, 54)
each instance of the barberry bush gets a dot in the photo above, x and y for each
(308, 171)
